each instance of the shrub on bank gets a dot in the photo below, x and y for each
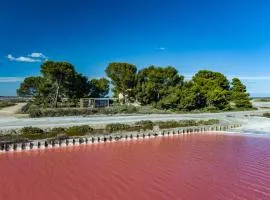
(78, 130)
(35, 111)
(145, 125)
(4, 104)
(208, 122)
(185, 123)
(31, 130)
(117, 127)
(266, 115)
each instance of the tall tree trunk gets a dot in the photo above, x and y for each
(58, 82)
(56, 96)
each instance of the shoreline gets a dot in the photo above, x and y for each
(114, 137)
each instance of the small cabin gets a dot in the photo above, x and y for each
(95, 102)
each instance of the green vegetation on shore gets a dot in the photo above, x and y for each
(265, 99)
(161, 88)
(35, 133)
(266, 115)
(4, 104)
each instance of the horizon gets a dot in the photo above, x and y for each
(228, 37)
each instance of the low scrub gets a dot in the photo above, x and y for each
(208, 122)
(117, 127)
(31, 130)
(4, 104)
(34, 133)
(78, 130)
(185, 123)
(35, 111)
(145, 125)
(266, 115)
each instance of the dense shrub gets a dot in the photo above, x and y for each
(145, 125)
(4, 104)
(185, 123)
(34, 111)
(49, 112)
(266, 115)
(26, 107)
(58, 130)
(31, 130)
(79, 130)
(117, 127)
(9, 138)
(208, 122)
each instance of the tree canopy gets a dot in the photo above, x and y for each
(59, 80)
(239, 94)
(99, 87)
(214, 86)
(123, 78)
(161, 87)
(155, 83)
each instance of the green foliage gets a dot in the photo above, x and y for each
(163, 88)
(31, 130)
(214, 87)
(58, 130)
(78, 130)
(208, 122)
(145, 125)
(239, 94)
(34, 111)
(99, 87)
(30, 86)
(155, 83)
(76, 87)
(123, 78)
(117, 127)
(266, 115)
(4, 104)
(185, 123)
(262, 99)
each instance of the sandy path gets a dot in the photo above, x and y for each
(11, 110)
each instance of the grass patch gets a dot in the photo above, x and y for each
(185, 123)
(78, 130)
(4, 104)
(266, 115)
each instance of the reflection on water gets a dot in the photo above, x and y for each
(179, 167)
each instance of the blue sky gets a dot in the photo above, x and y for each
(232, 37)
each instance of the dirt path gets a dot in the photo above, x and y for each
(11, 110)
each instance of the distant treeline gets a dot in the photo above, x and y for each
(160, 87)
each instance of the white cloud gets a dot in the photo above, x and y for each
(22, 59)
(33, 57)
(11, 79)
(37, 55)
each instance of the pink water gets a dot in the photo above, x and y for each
(181, 167)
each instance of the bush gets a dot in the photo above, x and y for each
(79, 130)
(58, 130)
(185, 123)
(4, 104)
(31, 130)
(117, 127)
(34, 111)
(145, 125)
(266, 115)
(208, 122)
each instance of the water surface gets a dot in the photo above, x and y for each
(202, 166)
